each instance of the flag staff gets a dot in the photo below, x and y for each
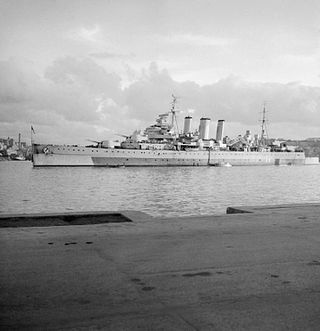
(32, 140)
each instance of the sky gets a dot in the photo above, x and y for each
(90, 69)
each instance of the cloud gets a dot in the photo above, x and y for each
(110, 55)
(199, 40)
(232, 99)
(77, 99)
(82, 74)
(86, 34)
(70, 88)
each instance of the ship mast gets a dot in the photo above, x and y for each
(173, 112)
(264, 132)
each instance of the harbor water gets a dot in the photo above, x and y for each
(158, 191)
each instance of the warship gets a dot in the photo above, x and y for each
(161, 144)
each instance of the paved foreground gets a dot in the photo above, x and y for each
(248, 271)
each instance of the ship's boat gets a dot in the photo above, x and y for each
(17, 158)
(161, 144)
(222, 164)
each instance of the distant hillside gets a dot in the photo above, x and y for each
(311, 147)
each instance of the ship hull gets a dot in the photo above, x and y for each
(58, 155)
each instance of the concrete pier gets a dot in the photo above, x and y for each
(257, 268)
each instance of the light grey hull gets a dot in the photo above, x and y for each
(56, 155)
